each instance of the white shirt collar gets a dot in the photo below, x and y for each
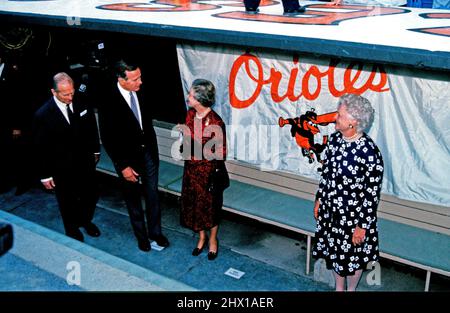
(63, 108)
(61, 105)
(125, 93)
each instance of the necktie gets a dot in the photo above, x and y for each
(134, 106)
(70, 115)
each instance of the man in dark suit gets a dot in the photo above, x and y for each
(67, 146)
(129, 139)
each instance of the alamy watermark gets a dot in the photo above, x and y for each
(250, 143)
(73, 276)
(373, 278)
(75, 18)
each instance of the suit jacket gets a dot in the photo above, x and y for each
(62, 148)
(121, 134)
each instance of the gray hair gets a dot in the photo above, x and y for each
(204, 92)
(61, 77)
(360, 109)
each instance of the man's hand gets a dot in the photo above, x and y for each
(316, 209)
(130, 175)
(49, 185)
(358, 236)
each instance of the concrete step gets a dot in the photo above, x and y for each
(39, 249)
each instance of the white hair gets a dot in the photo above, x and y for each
(360, 109)
(60, 78)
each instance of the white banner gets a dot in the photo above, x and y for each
(277, 108)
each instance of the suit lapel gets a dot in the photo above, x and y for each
(76, 116)
(58, 116)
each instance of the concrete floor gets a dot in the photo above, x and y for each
(272, 259)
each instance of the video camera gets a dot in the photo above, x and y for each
(6, 237)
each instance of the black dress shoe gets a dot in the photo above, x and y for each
(92, 230)
(144, 245)
(76, 234)
(213, 255)
(251, 11)
(294, 12)
(197, 251)
(161, 240)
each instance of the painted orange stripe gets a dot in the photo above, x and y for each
(315, 17)
(444, 31)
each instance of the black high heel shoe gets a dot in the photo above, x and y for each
(197, 251)
(213, 255)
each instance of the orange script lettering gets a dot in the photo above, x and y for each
(351, 80)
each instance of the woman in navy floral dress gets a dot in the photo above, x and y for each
(348, 195)
(204, 141)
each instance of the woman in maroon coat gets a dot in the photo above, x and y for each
(204, 150)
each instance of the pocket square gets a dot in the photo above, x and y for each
(83, 113)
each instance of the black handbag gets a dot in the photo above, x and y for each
(218, 180)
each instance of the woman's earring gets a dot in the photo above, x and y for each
(351, 126)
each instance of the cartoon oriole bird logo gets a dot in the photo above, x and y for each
(304, 127)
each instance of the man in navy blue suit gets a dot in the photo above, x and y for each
(67, 144)
(130, 140)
